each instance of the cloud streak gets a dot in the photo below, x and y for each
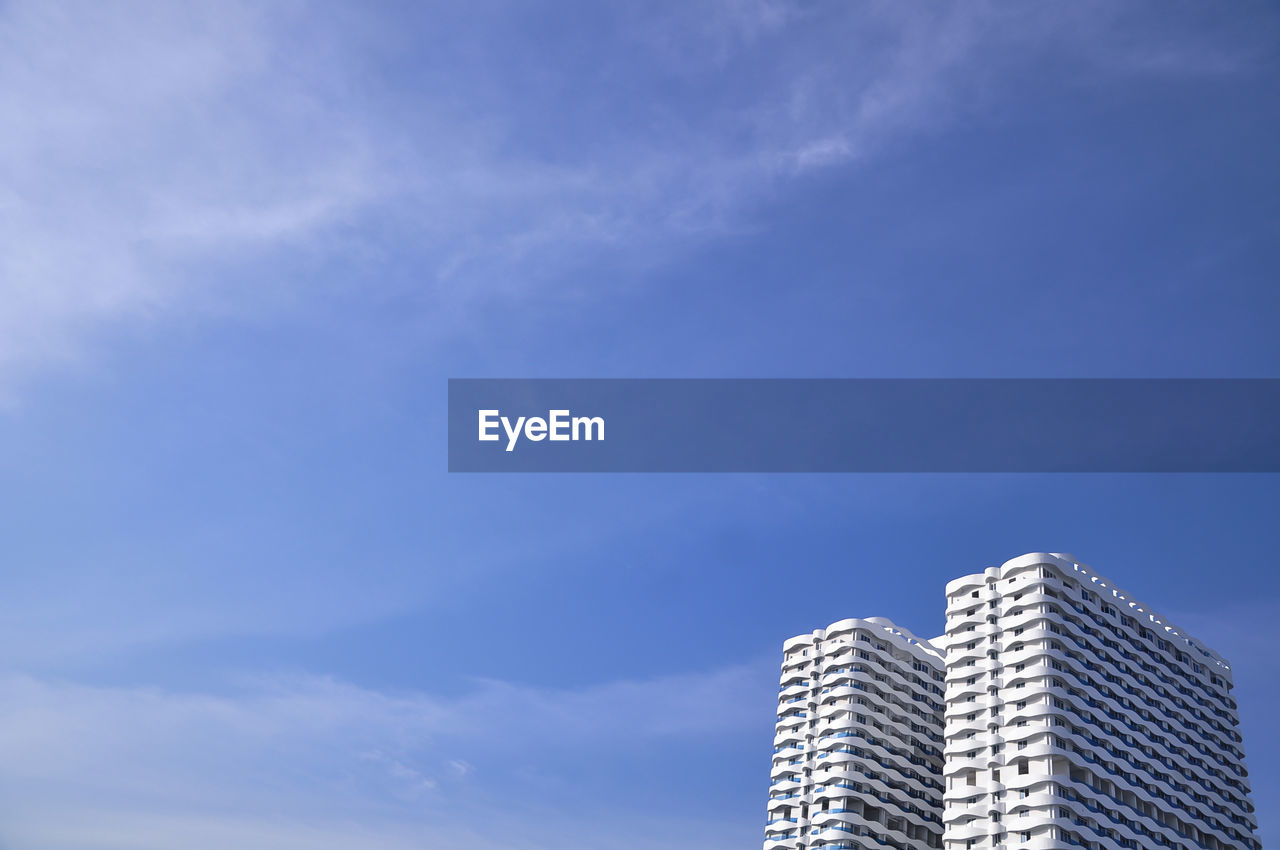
(145, 132)
(296, 759)
(172, 160)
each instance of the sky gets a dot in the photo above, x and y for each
(243, 247)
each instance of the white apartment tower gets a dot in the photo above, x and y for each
(1077, 717)
(858, 745)
(1071, 716)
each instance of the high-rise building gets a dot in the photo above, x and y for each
(1078, 717)
(1072, 716)
(858, 745)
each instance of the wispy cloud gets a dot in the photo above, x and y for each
(146, 138)
(155, 147)
(299, 761)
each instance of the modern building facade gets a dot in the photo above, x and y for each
(1071, 714)
(1078, 717)
(858, 744)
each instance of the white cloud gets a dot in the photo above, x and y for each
(157, 144)
(312, 762)
(143, 134)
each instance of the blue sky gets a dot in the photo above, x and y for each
(243, 248)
